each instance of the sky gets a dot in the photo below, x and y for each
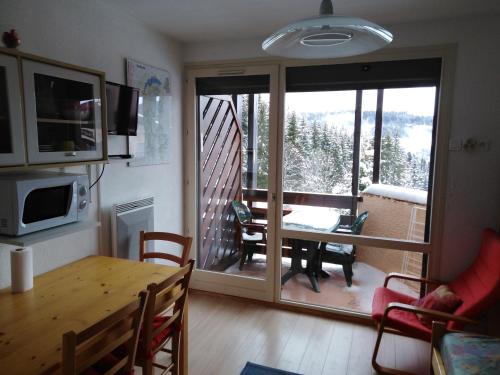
(418, 101)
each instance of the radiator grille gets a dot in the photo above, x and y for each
(129, 206)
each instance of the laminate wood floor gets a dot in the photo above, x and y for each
(225, 333)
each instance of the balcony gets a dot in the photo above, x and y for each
(394, 212)
(333, 161)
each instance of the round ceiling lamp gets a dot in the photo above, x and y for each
(327, 36)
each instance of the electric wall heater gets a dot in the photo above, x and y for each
(127, 220)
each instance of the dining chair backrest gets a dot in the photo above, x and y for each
(184, 242)
(357, 226)
(162, 296)
(242, 212)
(108, 346)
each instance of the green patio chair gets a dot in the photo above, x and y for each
(343, 254)
(251, 233)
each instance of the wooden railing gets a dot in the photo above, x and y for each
(219, 179)
(304, 199)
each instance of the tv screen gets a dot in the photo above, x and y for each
(122, 103)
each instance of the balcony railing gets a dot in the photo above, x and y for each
(347, 202)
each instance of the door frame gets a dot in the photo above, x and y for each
(446, 52)
(209, 280)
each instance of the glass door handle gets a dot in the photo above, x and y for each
(72, 153)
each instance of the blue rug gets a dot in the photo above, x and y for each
(255, 369)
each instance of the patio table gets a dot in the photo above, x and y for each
(310, 221)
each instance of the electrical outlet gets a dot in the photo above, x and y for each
(478, 145)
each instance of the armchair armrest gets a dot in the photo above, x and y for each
(396, 275)
(439, 315)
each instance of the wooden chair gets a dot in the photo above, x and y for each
(159, 328)
(251, 233)
(107, 347)
(185, 242)
(478, 288)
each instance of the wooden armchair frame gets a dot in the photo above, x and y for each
(438, 315)
(436, 364)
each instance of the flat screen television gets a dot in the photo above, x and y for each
(122, 104)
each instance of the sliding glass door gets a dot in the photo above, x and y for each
(357, 164)
(235, 116)
(309, 184)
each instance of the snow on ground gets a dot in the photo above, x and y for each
(398, 192)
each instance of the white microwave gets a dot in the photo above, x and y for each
(36, 201)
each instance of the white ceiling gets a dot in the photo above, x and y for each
(215, 20)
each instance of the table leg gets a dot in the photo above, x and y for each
(296, 266)
(312, 264)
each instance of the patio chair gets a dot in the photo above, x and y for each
(251, 233)
(343, 254)
(478, 288)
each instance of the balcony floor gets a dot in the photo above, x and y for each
(334, 290)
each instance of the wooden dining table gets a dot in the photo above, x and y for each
(72, 297)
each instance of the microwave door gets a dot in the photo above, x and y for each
(46, 206)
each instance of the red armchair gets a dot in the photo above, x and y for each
(478, 287)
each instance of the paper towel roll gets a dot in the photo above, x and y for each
(21, 269)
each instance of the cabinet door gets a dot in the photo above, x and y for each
(11, 118)
(63, 114)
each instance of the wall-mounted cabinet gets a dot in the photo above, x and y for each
(50, 112)
(11, 114)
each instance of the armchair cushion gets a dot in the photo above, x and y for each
(253, 237)
(469, 353)
(339, 248)
(442, 299)
(401, 320)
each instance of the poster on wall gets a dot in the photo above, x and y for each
(150, 146)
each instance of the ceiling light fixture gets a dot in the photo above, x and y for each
(327, 36)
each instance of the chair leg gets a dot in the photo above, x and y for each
(176, 343)
(243, 256)
(379, 368)
(375, 364)
(347, 273)
(251, 250)
(147, 367)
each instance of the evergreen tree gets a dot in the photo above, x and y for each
(292, 129)
(392, 161)
(293, 158)
(262, 143)
(244, 136)
(315, 141)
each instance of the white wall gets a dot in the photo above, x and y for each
(473, 191)
(92, 34)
